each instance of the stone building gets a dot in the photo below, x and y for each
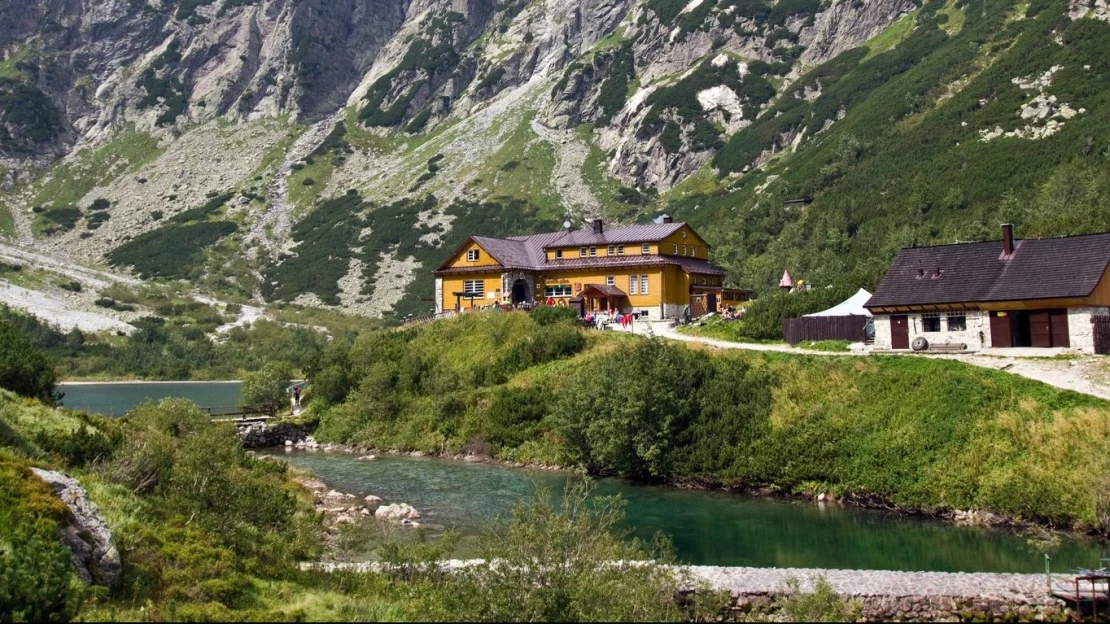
(1046, 292)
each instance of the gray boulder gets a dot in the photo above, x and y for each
(86, 534)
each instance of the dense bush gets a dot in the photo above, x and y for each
(266, 389)
(36, 574)
(24, 369)
(763, 317)
(172, 251)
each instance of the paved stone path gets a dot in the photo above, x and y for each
(1086, 375)
(1020, 588)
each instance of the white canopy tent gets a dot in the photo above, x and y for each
(852, 306)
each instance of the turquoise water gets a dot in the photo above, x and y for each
(116, 399)
(706, 528)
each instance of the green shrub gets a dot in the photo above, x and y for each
(763, 317)
(551, 315)
(36, 572)
(172, 251)
(24, 369)
(62, 218)
(267, 388)
(554, 562)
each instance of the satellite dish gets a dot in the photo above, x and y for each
(566, 224)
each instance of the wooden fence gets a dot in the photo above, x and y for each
(1102, 334)
(851, 328)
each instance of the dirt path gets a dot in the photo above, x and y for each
(1084, 374)
(96, 278)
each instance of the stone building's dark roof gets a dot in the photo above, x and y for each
(1040, 268)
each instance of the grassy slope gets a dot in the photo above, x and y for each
(921, 434)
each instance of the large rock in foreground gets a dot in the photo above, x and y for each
(86, 534)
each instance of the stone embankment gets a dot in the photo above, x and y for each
(887, 596)
(881, 595)
(266, 435)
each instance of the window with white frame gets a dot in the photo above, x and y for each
(620, 250)
(676, 249)
(472, 255)
(475, 287)
(930, 322)
(684, 251)
(643, 284)
(557, 290)
(611, 250)
(581, 252)
(593, 251)
(632, 282)
(558, 253)
(957, 322)
(694, 251)
(645, 249)
(610, 280)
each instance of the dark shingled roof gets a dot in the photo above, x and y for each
(1041, 268)
(646, 233)
(529, 252)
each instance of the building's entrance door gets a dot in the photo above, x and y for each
(712, 302)
(1000, 330)
(1034, 328)
(1058, 326)
(899, 332)
(520, 291)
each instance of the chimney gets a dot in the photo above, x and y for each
(1007, 239)
(599, 226)
(667, 219)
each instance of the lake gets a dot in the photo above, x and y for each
(118, 398)
(706, 528)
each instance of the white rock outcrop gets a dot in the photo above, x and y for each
(87, 536)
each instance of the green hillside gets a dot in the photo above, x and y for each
(907, 164)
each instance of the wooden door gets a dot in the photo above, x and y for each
(1040, 330)
(899, 332)
(1000, 330)
(1102, 334)
(698, 308)
(712, 305)
(1058, 328)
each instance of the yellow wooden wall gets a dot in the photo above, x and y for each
(630, 249)
(1101, 294)
(691, 240)
(665, 284)
(484, 259)
(454, 283)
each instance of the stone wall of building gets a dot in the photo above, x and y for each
(1081, 332)
(976, 335)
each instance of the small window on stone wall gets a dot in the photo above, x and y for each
(957, 322)
(930, 322)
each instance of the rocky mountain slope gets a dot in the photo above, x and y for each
(328, 152)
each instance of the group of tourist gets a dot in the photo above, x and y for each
(732, 313)
(604, 318)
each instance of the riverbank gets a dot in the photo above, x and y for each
(296, 434)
